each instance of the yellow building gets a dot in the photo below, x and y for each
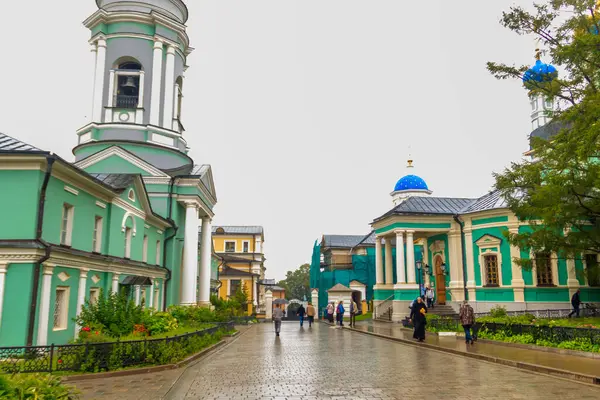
(242, 251)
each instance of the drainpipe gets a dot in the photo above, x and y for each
(464, 257)
(38, 237)
(175, 228)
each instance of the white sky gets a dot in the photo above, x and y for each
(306, 108)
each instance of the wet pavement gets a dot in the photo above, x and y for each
(328, 363)
(572, 363)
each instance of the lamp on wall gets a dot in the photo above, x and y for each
(443, 266)
(427, 270)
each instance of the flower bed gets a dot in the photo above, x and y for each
(35, 386)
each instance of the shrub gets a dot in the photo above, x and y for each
(114, 314)
(498, 312)
(35, 386)
(156, 322)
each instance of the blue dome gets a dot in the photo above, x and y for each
(540, 72)
(411, 182)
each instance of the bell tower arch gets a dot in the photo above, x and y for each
(140, 50)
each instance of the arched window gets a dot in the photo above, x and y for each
(179, 94)
(127, 84)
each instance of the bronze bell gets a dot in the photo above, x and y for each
(129, 83)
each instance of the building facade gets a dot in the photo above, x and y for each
(242, 251)
(456, 246)
(126, 213)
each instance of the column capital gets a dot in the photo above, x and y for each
(171, 50)
(378, 239)
(399, 232)
(191, 204)
(410, 232)
(115, 276)
(48, 269)
(93, 47)
(101, 42)
(158, 44)
(83, 273)
(3, 267)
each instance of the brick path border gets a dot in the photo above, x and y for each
(576, 376)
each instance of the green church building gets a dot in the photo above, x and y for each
(126, 214)
(456, 246)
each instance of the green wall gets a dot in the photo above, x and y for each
(17, 298)
(18, 212)
(494, 294)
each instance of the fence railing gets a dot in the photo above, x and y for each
(92, 357)
(555, 313)
(554, 334)
(124, 101)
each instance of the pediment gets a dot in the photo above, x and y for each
(488, 241)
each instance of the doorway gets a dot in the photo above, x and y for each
(357, 298)
(440, 282)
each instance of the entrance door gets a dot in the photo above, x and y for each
(440, 282)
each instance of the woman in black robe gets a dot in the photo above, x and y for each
(417, 316)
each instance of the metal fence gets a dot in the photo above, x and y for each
(554, 334)
(555, 313)
(93, 357)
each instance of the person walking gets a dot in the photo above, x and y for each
(330, 309)
(467, 320)
(310, 314)
(429, 296)
(417, 317)
(340, 312)
(300, 313)
(353, 312)
(277, 316)
(575, 302)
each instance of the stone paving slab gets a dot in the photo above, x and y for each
(328, 363)
(566, 362)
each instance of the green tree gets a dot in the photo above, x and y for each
(297, 283)
(558, 192)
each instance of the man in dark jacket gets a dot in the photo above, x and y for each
(300, 312)
(575, 302)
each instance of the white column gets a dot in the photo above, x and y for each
(81, 295)
(400, 272)
(269, 304)
(378, 262)
(205, 258)
(314, 299)
(190, 255)
(93, 49)
(151, 300)
(99, 84)
(470, 262)
(517, 281)
(161, 299)
(42, 336)
(156, 83)
(3, 271)
(137, 294)
(426, 262)
(169, 88)
(108, 116)
(389, 268)
(410, 257)
(139, 112)
(115, 283)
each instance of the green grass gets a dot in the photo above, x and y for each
(361, 317)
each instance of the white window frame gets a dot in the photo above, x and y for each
(145, 249)
(94, 295)
(97, 239)
(230, 286)
(244, 243)
(554, 269)
(158, 252)
(127, 244)
(66, 232)
(64, 311)
(131, 195)
(486, 245)
(234, 246)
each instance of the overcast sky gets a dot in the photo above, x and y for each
(305, 109)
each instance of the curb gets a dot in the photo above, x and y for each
(147, 370)
(576, 376)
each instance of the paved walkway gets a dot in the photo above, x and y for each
(583, 365)
(328, 363)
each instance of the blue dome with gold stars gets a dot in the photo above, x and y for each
(411, 182)
(540, 72)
